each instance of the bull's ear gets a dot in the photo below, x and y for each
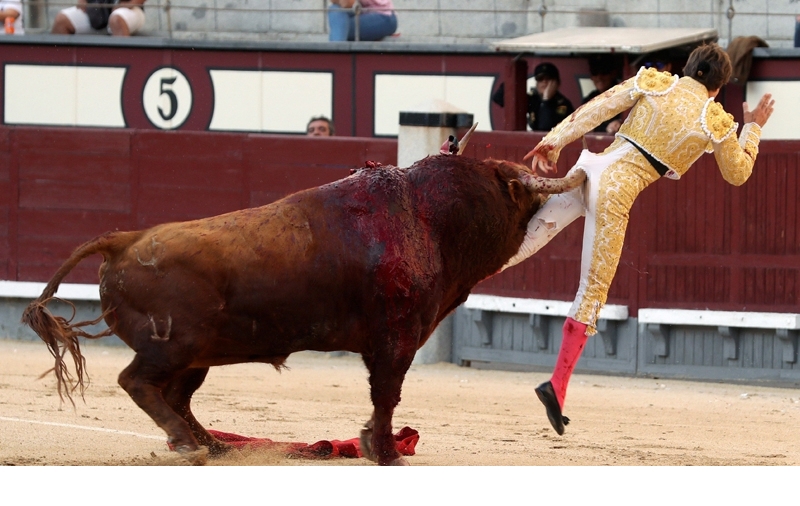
(517, 191)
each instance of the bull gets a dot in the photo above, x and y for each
(368, 264)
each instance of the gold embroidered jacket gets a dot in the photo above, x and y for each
(671, 118)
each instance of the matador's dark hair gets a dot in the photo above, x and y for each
(710, 65)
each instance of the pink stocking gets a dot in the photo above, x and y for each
(572, 344)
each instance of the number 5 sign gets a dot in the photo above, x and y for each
(167, 98)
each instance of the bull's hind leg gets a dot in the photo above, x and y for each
(144, 383)
(178, 395)
(387, 370)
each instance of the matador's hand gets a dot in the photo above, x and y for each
(539, 162)
(761, 113)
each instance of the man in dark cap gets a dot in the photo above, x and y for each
(546, 105)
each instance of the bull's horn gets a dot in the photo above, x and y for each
(572, 180)
(464, 140)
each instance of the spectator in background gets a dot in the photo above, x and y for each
(320, 126)
(797, 31)
(120, 19)
(604, 70)
(547, 107)
(11, 13)
(376, 19)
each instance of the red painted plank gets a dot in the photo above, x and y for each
(73, 167)
(290, 179)
(260, 150)
(46, 249)
(80, 225)
(188, 172)
(108, 142)
(720, 227)
(162, 204)
(793, 208)
(5, 193)
(85, 272)
(5, 144)
(5, 160)
(98, 196)
(192, 144)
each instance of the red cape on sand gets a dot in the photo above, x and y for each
(405, 439)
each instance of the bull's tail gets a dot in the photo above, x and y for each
(59, 333)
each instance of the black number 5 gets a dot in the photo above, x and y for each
(173, 100)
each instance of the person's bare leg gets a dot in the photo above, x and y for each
(62, 25)
(118, 27)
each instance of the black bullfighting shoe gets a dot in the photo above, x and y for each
(547, 395)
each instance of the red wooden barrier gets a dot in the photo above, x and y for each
(695, 243)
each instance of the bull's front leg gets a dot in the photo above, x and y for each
(387, 371)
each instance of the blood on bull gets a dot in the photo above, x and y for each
(369, 264)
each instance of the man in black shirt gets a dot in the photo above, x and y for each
(547, 107)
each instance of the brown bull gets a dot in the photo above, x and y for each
(369, 264)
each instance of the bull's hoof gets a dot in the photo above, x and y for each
(399, 461)
(196, 457)
(365, 443)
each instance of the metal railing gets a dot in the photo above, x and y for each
(538, 15)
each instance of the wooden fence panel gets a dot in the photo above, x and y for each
(695, 243)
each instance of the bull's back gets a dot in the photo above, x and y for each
(312, 266)
(273, 244)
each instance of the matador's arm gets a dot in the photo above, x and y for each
(601, 108)
(734, 158)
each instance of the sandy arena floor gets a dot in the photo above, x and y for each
(465, 416)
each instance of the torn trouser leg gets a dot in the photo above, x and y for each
(553, 217)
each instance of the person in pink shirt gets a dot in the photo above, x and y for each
(11, 14)
(376, 19)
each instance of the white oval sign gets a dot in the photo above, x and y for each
(167, 98)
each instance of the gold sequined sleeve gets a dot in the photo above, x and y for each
(601, 108)
(734, 158)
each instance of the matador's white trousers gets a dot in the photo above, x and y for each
(613, 180)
